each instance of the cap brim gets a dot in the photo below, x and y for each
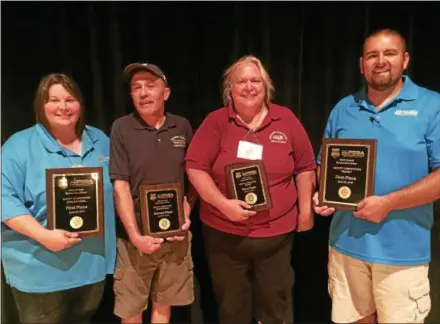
(132, 68)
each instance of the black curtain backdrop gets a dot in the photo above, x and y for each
(310, 48)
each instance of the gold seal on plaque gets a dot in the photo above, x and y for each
(251, 198)
(344, 192)
(164, 224)
(76, 222)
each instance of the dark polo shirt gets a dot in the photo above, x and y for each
(287, 151)
(142, 154)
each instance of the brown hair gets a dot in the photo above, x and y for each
(227, 76)
(385, 31)
(42, 96)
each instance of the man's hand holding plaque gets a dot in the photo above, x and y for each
(146, 244)
(185, 227)
(347, 173)
(319, 208)
(246, 182)
(373, 208)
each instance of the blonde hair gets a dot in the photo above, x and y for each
(42, 97)
(227, 79)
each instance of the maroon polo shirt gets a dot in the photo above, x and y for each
(143, 154)
(287, 151)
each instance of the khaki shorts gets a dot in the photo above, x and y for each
(398, 294)
(166, 276)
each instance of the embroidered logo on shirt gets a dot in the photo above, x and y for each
(406, 112)
(178, 141)
(102, 159)
(278, 137)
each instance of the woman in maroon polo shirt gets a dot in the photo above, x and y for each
(249, 252)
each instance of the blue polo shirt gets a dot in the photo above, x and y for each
(408, 134)
(28, 265)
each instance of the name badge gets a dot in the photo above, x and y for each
(249, 151)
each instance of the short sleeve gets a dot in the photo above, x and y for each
(205, 145)
(190, 192)
(105, 142)
(303, 154)
(188, 132)
(328, 133)
(433, 139)
(13, 181)
(119, 169)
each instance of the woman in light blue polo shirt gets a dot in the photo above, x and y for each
(56, 276)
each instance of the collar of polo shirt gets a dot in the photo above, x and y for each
(139, 123)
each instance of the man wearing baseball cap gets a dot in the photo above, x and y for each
(148, 146)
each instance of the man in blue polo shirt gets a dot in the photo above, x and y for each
(379, 255)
